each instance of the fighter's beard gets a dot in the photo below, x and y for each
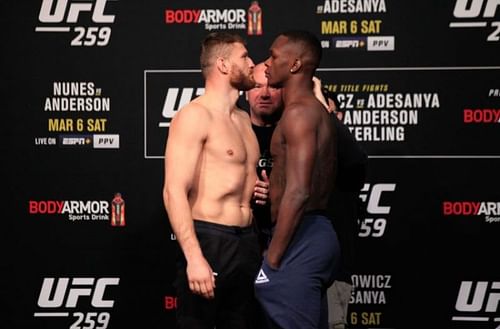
(241, 81)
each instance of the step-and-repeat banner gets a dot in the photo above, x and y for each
(89, 88)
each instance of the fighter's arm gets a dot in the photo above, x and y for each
(187, 134)
(300, 137)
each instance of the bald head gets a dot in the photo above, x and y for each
(259, 73)
(307, 46)
(265, 101)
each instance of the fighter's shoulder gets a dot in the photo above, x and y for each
(194, 110)
(308, 105)
(242, 114)
(301, 113)
(295, 110)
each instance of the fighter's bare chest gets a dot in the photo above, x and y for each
(228, 143)
(277, 144)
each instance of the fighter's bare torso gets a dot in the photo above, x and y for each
(225, 175)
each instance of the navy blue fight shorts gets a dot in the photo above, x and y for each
(233, 253)
(294, 295)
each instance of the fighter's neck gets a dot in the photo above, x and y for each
(224, 95)
(295, 90)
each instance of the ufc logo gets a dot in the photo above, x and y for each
(79, 287)
(473, 299)
(173, 103)
(472, 8)
(56, 14)
(373, 197)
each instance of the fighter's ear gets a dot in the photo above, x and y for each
(222, 65)
(297, 64)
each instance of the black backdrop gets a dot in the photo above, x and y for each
(88, 90)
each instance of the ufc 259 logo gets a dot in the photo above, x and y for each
(376, 223)
(59, 14)
(477, 13)
(478, 302)
(59, 296)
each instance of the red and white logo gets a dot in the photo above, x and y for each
(212, 19)
(74, 210)
(481, 115)
(489, 209)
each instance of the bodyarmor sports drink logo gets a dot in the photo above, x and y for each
(118, 210)
(481, 115)
(254, 19)
(478, 14)
(75, 210)
(478, 303)
(214, 19)
(165, 92)
(490, 210)
(58, 16)
(61, 297)
(376, 209)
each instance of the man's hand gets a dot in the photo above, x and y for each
(261, 189)
(272, 261)
(201, 278)
(318, 93)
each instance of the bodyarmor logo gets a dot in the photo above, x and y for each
(213, 19)
(118, 210)
(59, 15)
(489, 209)
(481, 115)
(477, 13)
(76, 210)
(479, 301)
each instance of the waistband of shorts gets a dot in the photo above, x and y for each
(316, 212)
(215, 227)
(308, 214)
